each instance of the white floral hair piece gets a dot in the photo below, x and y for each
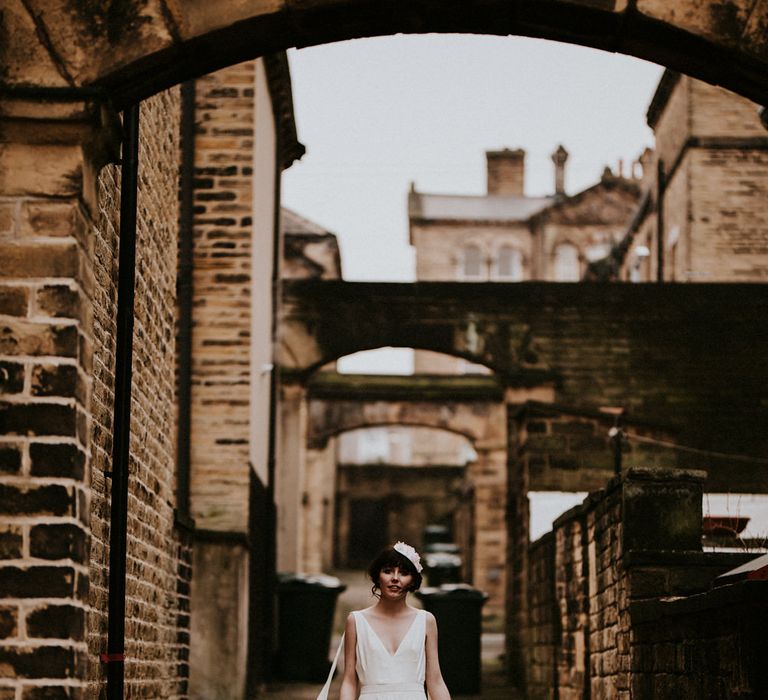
(409, 553)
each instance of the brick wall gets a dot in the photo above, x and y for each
(158, 559)
(729, 222)
(222, 282)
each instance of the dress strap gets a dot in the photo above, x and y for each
(327, 687)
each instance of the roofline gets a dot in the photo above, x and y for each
(281, 93)
(660, 98)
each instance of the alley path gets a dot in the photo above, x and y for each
(357, 596)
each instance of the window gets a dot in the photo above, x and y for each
(509, 265)
(472, 263)
(598, 251)
(566, 263)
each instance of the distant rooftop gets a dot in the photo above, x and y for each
(293, 223)
(475, 207)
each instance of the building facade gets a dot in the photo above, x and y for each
(507, 236)
(703, 215)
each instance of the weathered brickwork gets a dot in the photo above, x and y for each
(223, 202)
(707, 646)
(543, 618)
(729, 238)
(614, 561)
(158, 562)
(45, 363)
(572, 587)
(575, 452)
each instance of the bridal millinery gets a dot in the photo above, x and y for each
(409, 553)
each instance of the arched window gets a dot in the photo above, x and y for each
(509, 266)
(472, 262)
(566, 263)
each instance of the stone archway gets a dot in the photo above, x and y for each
(146, 47)
(338, 404)
(66, 64)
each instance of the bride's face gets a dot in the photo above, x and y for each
(394, 583)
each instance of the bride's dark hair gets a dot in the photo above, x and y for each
(391, 558)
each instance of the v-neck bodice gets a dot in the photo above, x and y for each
(378, 666)
(381, 641)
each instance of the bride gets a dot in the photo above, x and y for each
(390, 648)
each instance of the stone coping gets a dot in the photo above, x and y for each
(689, 557)
(746, 593)
(644, 474)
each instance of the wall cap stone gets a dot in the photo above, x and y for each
(747, 593)
(655, 474)
(633, 474)
(690, 557)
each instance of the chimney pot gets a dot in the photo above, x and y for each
(558, 158)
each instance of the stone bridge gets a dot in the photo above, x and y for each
(693, 357)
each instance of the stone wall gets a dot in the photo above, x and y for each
(567, 451)
(710, 645)
(46, 358)
(714, 152)
(729, 239)
(543, 618)
(235, 169)
(593, 348)
(614, 560)
(58, 304)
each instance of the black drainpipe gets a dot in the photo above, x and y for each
(185, 291)
(126, 283)
(263, 526)
(661, 185)
(274, 397)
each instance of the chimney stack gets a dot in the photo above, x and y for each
(506, 171)
(558, 158)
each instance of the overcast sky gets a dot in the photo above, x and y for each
(376, 114)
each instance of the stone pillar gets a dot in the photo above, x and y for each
(637, 530)
(47, 288)
(518, 538)
(289, 476)
(219, 626)
(319, 501)
(489, 478)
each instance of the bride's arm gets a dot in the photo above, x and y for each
(436, 687)
(349, 683)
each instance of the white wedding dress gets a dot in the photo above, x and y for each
(387, 676)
